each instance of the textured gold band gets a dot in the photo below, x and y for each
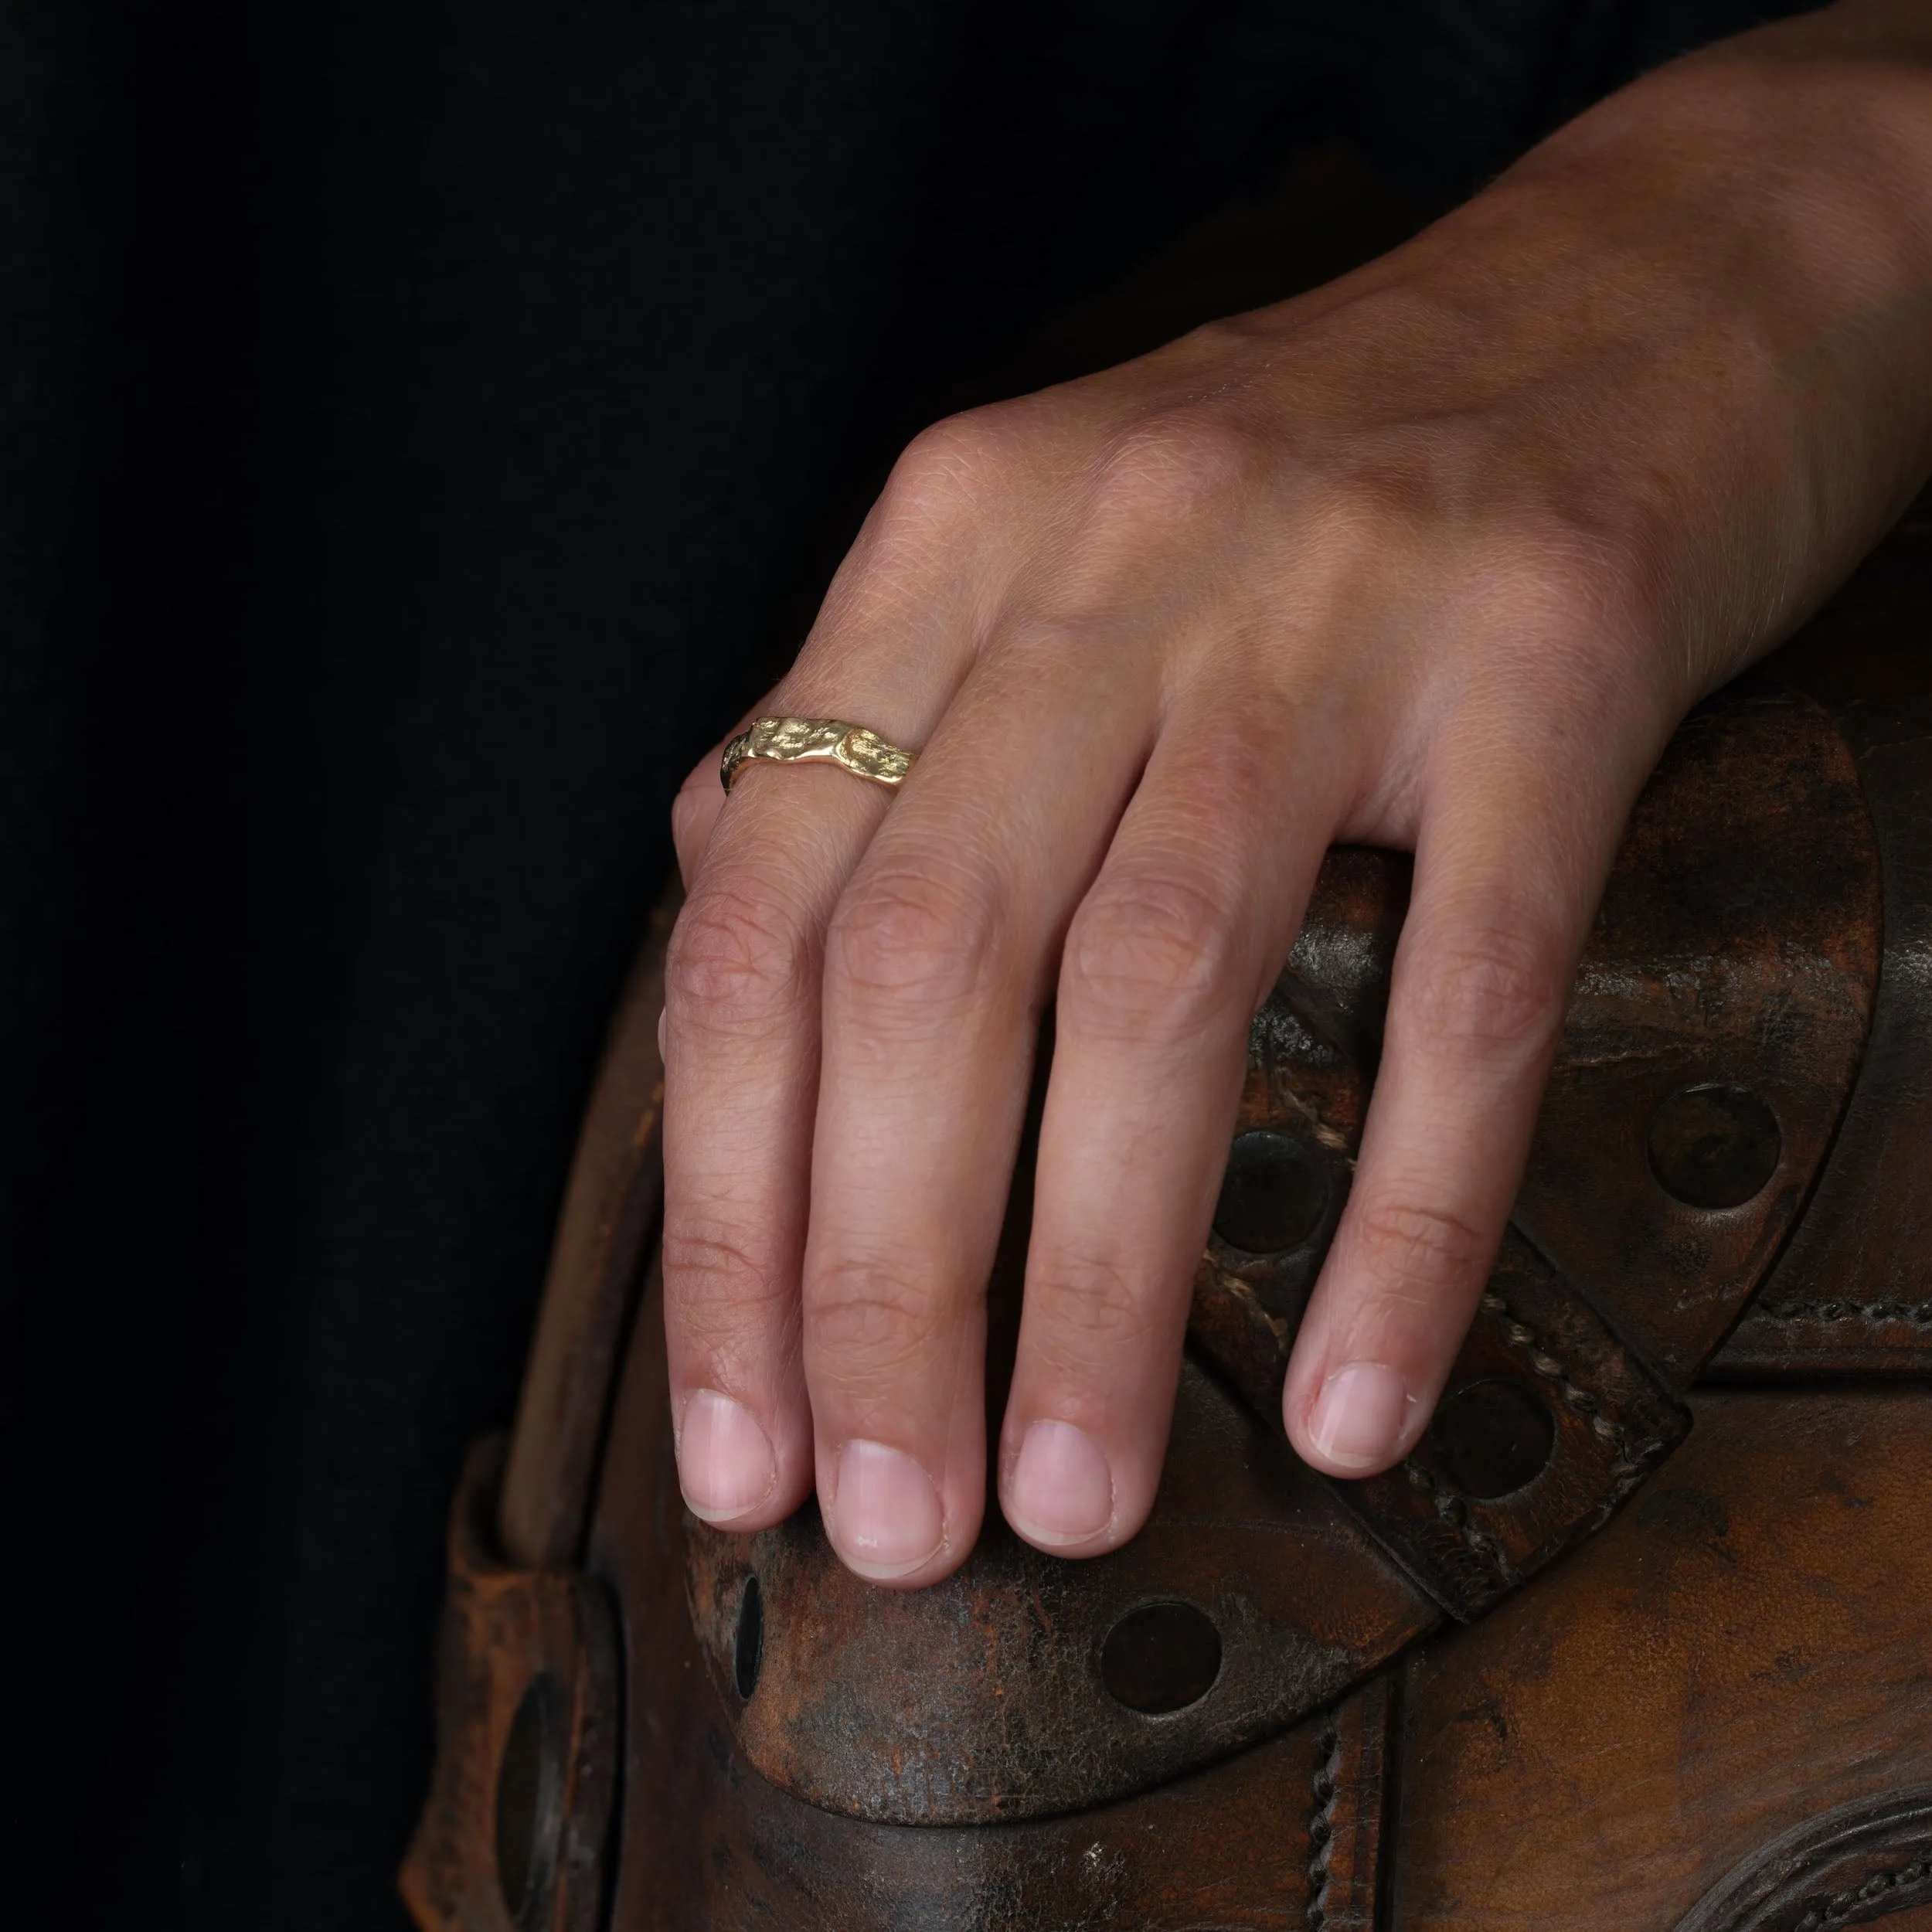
(792, 741)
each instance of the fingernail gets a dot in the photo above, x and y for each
(661, 1011)
(724, 1462)
(1061, 1490)
(1359, 1416)
(887, 1520)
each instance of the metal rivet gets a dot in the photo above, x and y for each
(748, 1650)
(1161, 1658)
(1273, 1195)
(1492, 1437)
(1713, 1146)
(527, 1787)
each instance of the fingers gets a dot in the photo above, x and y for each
(741, 1038)
(1167, 959)
(1505, 883)
(937, 968)
(741, 1034)
(853, 999)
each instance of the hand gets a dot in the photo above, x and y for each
(1435, 558)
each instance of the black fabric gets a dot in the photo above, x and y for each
(418, 419)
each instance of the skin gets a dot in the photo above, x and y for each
(1435, 557)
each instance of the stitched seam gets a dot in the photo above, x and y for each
(1631, 1463)
(1453, 1511)
(1917, 1314)
(1837, 1909)
(1328, 1767)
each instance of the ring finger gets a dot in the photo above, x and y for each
(741, 1048)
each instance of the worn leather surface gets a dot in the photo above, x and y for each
(1853, 1292)
(514, 1833)
(707, 1843)
(1749, 1645)
(991, 1676)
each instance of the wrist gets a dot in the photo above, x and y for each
(1772, 196)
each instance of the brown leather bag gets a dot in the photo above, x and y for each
(1698, 1379)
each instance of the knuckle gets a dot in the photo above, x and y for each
(951, 466)
(736, 955)
(1500, 991)
(1151, 947)
(863, 1320)
(1572, 578)
(1357, 517)
(1170, 467)
(1092, 1301)
(1350, 522)
(912, 933)
(713, 1284)
(1417, 1253)
(930, 520)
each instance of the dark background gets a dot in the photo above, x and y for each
(419, 424)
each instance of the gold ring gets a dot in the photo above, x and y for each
(794, 740)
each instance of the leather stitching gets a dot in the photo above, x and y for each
(1918, 1315)
(1328, 1768)
(1842, 1908)
(1454, 1510)
(1633, 1460)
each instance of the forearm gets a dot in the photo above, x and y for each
(1789, 170)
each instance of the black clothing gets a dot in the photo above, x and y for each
(417, 417)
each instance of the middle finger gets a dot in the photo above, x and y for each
(937, 963)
